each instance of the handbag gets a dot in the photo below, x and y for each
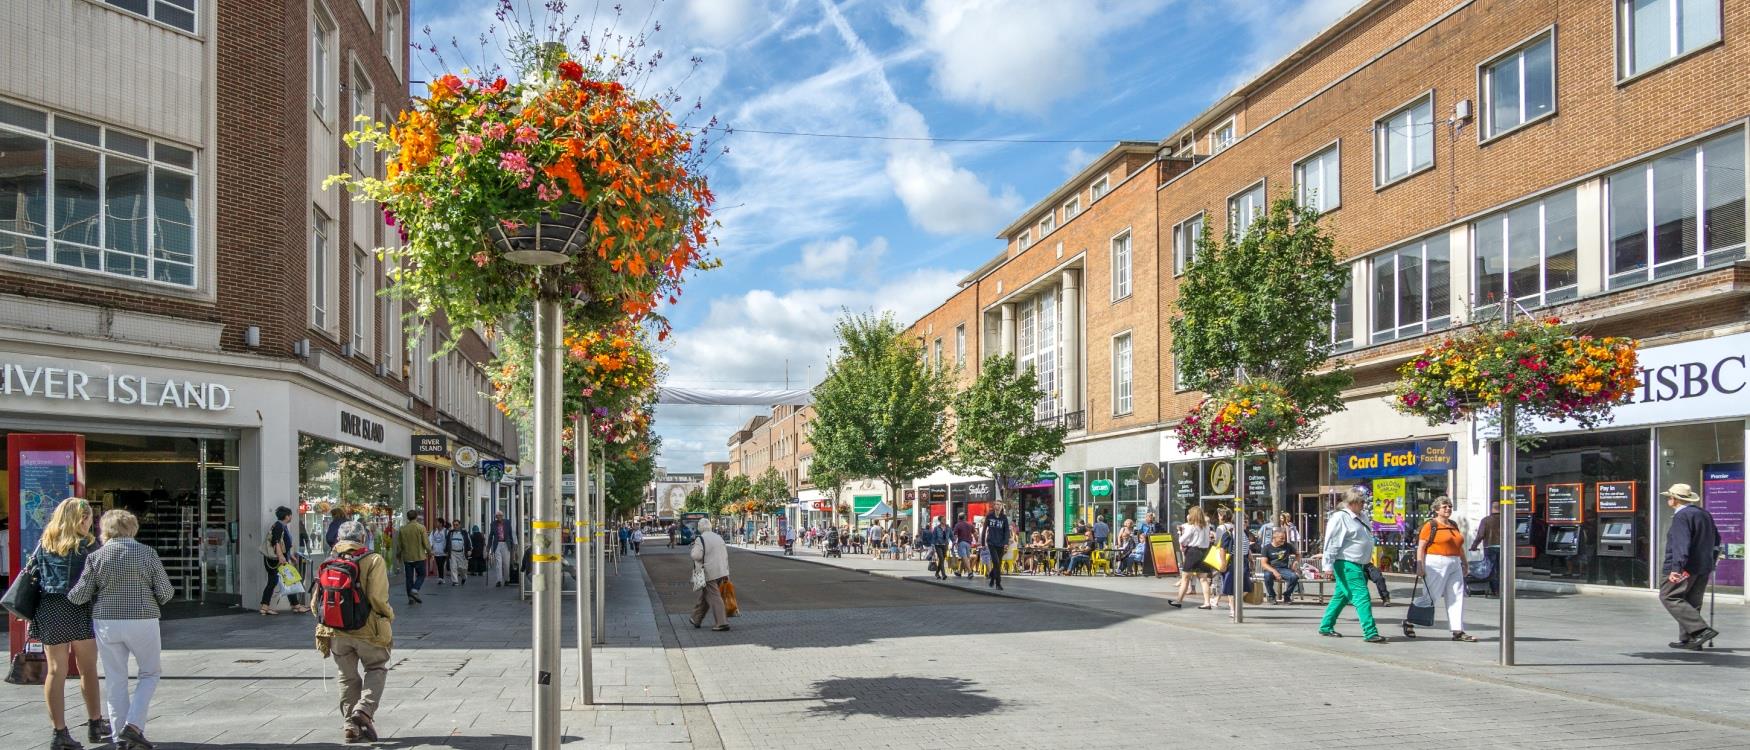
(27, 669)
(291, 582)
(1420, 614)
(1216, 559)
(731, 607)
(698, 577)
(23, 596)
(1254, 594)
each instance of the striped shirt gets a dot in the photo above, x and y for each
(123, 580)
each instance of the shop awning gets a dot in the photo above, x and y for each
(881, 510)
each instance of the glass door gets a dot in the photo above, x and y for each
(217, 522)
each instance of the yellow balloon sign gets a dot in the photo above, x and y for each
(1388, 500)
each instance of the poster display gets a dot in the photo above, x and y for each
(1722, 496)
(1388, 503)
(1614, 497)
(45, 478)
(1525, 499)
(1166, 558)
(1562, 503)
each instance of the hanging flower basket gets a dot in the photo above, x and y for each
(1539, 365)
(555, 238)
(1259, 415)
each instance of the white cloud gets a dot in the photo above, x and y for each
(1076, 160)
(944, 199)
(1018, 55)
(830, 260)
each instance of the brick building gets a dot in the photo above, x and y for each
(1586, 159)
(178, 289)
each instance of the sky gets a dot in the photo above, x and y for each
(812, 227)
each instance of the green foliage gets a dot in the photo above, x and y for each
(739, 489)
(881, 412)
(771, 490)
(995, 432)
(695, 502)
(1262, 301)
(628, 476)
(716, 494)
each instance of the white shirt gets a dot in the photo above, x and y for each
(1347, 537)
(1193, 536)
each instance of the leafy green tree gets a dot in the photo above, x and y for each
(695, 502)
(829, 480)
(739, 490)
(995, 431)
(881, 412)
(1262, 301)
(771, 490)
(716, 494)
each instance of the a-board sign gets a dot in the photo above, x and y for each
(1160, 547)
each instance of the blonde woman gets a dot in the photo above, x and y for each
(125, 583)
(1194, 541)
(64, 627)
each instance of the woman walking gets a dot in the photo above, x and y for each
(125, 583)
(1440, 562)
(1194, 541)
(476, 552)
(64, 628)
(279, 541)
(440, 548)
(710, 553)
(1236, 580)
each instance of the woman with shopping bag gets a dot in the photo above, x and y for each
(279, 556)
(1440, 568)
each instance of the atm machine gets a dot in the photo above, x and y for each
(1563, 540)
(1616, 537)
(1522, 547)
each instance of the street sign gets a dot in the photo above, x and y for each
(466, 457)
(1046, 476)
(431, 445)
(1100, 488)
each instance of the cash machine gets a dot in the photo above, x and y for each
(1616, 520)
(1563, 509)
(1525, 510)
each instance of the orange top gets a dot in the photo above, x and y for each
(1443, 540)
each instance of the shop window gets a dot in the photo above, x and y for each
(1131, 500)
(1678, 213)
(1411, 289)
(1343, 315)
(1529, 253)
(1520, 86)
(1705, 457)
(1570, 468)
(1653, 32)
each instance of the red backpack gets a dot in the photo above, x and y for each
(340, 595)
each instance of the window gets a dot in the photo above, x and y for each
(1222, 137)
(362, 300)
(1411, 289)
(87, 196)
(1343, 315)
(1121, 266)
(1025, 240)
(1121, 401)
(177, 13)
(1179, 370)
(960, 345)
(1404, 141)
(1316, 183)
(938, 355)
(364, 155)
(1072, 207)
(1185, 236)
(392, 47)
(321, 64)
(1099, 188)
(1047, 224)
(1520, 87)
(370, 9)
(1244, 208)
(1036, 347)
(1678, 213)
(321, 233)
(1656, 31)
(1530, 253)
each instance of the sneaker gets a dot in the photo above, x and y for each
(63, 740)
(1705, 637)
(414, 595)
(1330, 634)
(132, 738)
(98, 731)
(721, 628)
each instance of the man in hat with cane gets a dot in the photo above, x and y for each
(1689, 561)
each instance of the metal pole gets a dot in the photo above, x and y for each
(1236, 560)
(545, 535)
(601, 542)
(1509, 524)
(580, 559)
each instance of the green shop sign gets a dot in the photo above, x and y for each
(1100, 488)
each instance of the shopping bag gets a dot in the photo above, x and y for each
(698, 577)
(291, 582)
(730, 607)
(23, 595)
(1254, 593)
(1216, 559)
(28, 668)
(1420, 613)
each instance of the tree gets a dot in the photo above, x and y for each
(995, 431)
(828, 479)
(716, 494)
(695, 502)
(771, 490)
(1262, 301)
(738, 490)
(881, 412)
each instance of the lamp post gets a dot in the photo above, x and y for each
(601, 526)
(1508, 526)
(580, 558)
(547, 551)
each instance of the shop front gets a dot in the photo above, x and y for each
(1210, 485)
(1402, 479)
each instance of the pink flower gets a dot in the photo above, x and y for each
(468, 143)
(481, 259)
(526, 135)
(547, 192)
(495, 130)
(517, 163)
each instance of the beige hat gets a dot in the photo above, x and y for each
(1683, 493)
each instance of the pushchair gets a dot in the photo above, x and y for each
(832, 545)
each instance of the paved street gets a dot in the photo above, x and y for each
(828, 656)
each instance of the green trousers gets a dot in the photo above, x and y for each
(1351, 583)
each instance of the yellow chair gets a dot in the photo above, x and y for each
(1010, 560)
(1100, 562)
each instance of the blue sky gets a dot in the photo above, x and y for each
(813, 226)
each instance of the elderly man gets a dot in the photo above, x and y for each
(1348, 548)
(361, 653)
(1689, 562)
(712, 554)
(499, 541)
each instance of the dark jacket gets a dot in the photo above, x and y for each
(996, 531)
(502, 532)
(332, 536)
(1691, 544)
(57, 574)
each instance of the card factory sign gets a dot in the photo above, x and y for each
(68, 384)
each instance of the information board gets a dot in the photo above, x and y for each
(1525, 499)
(1564, 503)
(1614, 497)
(1166, 559)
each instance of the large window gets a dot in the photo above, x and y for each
(1655, 31)
(392, 47)
(321, 296)
(1036, 347)
(322, 70)
(1529, 253)
(1047, 224)
(1185, 236)
(1245, 207)
(1412, 289)
(1121, 266)
(1520, 86)
(87, 196)
(1099, 188)
(1343, 315)
(1316, 183)
(1121, 374)
(1678, 213)
(960, 345)
(363, 294)
(1403, 141)
(177, 13)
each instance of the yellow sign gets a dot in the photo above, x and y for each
(1388, 500)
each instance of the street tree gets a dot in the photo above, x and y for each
(716, 494)
(995, 431)
(695, 502)
(881, 412)
(771, 490)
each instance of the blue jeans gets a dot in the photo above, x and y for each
(1290, 583)
(415, 575)
(1493, 555)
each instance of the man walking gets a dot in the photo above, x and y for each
(711, 553)
(1489, 538)
(499, 542)
(1689, 561)
(996, 540)
(412, 545)
(458, 546)
(937, 537)
(875, 540)
(1348, 548)
(962, 547)
(1102, 531)
(362, 653)
(671, 533)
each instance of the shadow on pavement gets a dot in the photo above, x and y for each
(488, 742)
(902, 698)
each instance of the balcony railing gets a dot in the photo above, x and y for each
(1074, 420)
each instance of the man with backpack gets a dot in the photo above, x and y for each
(353, 627)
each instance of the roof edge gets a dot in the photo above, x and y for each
(1073, 184)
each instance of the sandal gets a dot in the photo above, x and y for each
(265, 611)
(1410, 631)
(1459, 635)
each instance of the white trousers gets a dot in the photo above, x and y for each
(458, 566)
(116, 640)
(500, 563)
(1445, 578)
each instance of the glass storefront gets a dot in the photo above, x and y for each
(366, 484)
(1559, 482)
